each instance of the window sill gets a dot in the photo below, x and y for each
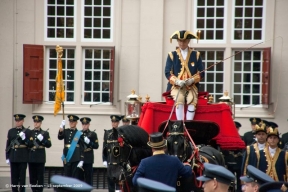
(80, 109)
(255, 112)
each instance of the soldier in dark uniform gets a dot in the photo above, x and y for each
(90, 143)
(125, 121)
(17, 153)
(38, 141)
(248, 137)
(73, 152)
(110, 136)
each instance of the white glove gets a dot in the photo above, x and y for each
(7, 161)
(63, 122)
(22, 135)
(80, 164)
(87, 140)
(189, 81)
(105, 163)
(180, 83)
(40, 137)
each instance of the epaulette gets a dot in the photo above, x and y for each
(197, 55)
(171, 56)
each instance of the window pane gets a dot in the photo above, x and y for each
(68, 60)
(249, 67)
(98, 84)
(210, 16)
(237, 88)
(98, 20)
(248, 16)
(214, 78)
(201, 12)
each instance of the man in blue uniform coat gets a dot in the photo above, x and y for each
(252, 154)
(161, 167)
(273, 161)
(182, 71)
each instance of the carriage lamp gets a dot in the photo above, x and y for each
(133, 108)
(226, 99)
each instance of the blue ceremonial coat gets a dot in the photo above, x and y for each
(162, 168)
(251, 157)
(173, 64)
(276, 166)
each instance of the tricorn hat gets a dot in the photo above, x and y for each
(156, 140)
(260, 128)
(273, 131)
(183, 35)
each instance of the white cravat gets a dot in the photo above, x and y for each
(261, 146)
(184, 53)
(272, 151)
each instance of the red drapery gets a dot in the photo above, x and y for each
(154, 113)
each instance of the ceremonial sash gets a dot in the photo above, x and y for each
(72, 147)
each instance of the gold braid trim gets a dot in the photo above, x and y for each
(255, 145)
(184, 63)
(171, 56)
(246, 161)
(286, 163)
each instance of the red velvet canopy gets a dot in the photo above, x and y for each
(154, 113)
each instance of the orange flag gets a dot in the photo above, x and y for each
(60, 92)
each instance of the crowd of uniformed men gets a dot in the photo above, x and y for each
(263, 165)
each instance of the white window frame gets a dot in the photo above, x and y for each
(241, 41)
(241, 83)
(215, 94)
(224, 24)
(47, 69)
(111, 28)
(60, 39)
(83, 77)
